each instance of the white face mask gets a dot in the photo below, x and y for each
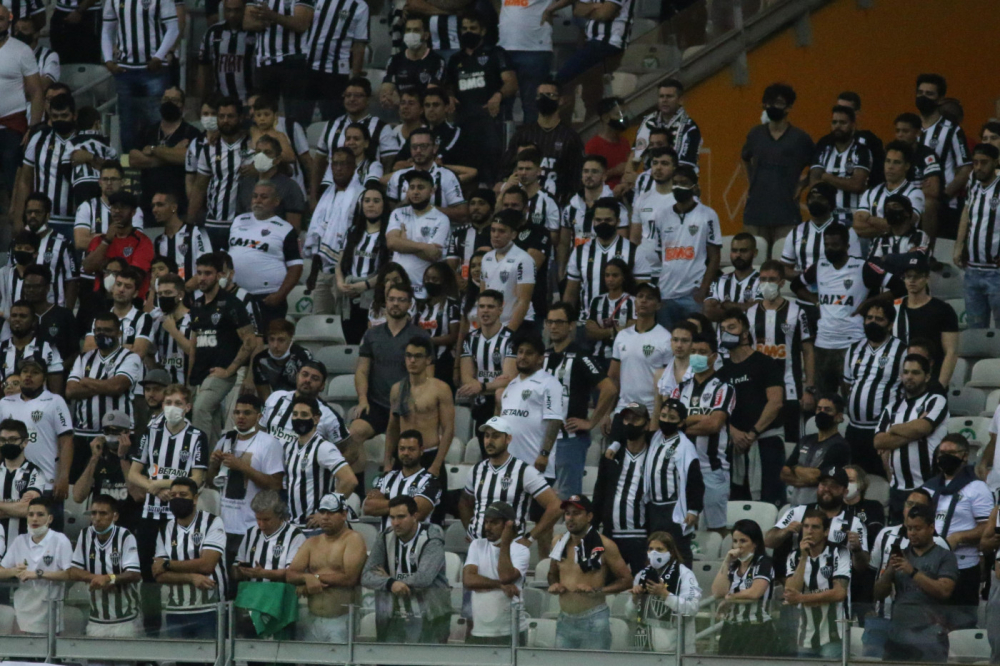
(852, 490)
(245, 432)
(223, 281)
(747, 557)
(210, 123)
(109, 282)
(763, 117)
(769, 290)
(657, 559)
(413, 40)
(173, 414)
(262, 162)
(39, 531)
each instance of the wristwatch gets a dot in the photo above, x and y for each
(166, 565)
(545, 452)
(38, 574)
(113, 578)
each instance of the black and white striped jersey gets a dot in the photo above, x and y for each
(587, 263)
(804, 245)
(48, 63)
(983, 240)
(437, 318)
(419, 484)
(169, 354)
(88, 412)
(383, 139)
(140, 31)
(685, 138)
(14, 483)
(276, 42)
(184, 247)
(628, 513)
(365, 256)
(779, 334)
(94, 215)
(873, 374)
(704, 398)
(272, 552)
(166, 456)
(607, 311)
(21, 9)
(515, 482)
(914, 241)
(577, 217)
(819, 623)
(221, 161)
(447, 188)
(99, 146)
(178, 543)
(843, 164)
(729, 287)
(912, 463)
(873, 200)
(115, 555)
(443, 29)
(543, 211)
(48, 154)
(761, 568)
(58, 254)
(10, 356)
(336, 25)
(614, 32)
(276, 420)
(194, 150)
(230, 54)
(947, 140)
(310, 470)
(488, 354)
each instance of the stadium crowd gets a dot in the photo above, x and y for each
(567, 299)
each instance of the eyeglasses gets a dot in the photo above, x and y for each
(10, 440)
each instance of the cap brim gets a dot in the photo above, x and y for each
(578, 505)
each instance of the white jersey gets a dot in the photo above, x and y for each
(488, 606)
(648, 207)
(506, 275)
(668, 380)
(330, 224)
(263, 453)
(840, 291)
(31, 598)
(682, 246)
(974, 504)
(993, 478)
(432, 227)
(263, 251)
(528, 402)
(640, 355)
(47, 418)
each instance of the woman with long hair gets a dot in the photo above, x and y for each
(665, 587)
(611, 311)
(364, 254)
(468, 298)
(744, 586)
(439, 316)
(358, 140)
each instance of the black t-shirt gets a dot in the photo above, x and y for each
(279, 374)
(831, 452)
(409, 74)
(751, 379)
(58, 327)
(928, 321)
(578, 373)
(474, 78)
(215, 327)
(170, 177)
(109, 479)
(452, 146)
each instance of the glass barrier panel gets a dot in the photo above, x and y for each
(25, 609)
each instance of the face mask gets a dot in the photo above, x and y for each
(210, 123)
(20, 36)
(774, 114)
(746, 558)
(852, 490)
(949, 464)
(634, 431)
(657, 559)
(434, 289)
(167, 303)
(824, 421)
(617, 124)
(24, 258)
(173, 414)
(874, 332)
(245, 432)
(698, 363)
(605, 231)
(729, 340)
(170, 112)
(109, 282)
(262, 163)
(105, 530)
(105, 342)
(10, 451)
(469, 40)
(835, 256)
(181, 507)
(420, 206)
(547, 106)
(302, 427)
(818, 209)
(223, 281)
(769, 290)
(111, 439)
(896, 216)
(62, 126)
(682, 195)
(39, 531)
(413, 40)
(926, 105)
(668, 428)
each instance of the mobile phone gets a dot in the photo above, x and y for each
(895, 550)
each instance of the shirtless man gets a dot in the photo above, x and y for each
(585, 620)
(327, 570)
(421, 403)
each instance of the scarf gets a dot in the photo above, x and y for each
(938, 488)
(589, 552)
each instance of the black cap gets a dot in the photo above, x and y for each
(917, 261)
(836, 473)
(318, 366)
(500, 511)
(827, 191)
(35, 361)
(579, 501)
(413, 174)
(487, 195)
(123, 197)
(676, 405)
(901, 200)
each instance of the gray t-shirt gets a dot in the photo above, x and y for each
(775, 170)
(388, 364)
(292, 199)
(913, 608)
(831, 452)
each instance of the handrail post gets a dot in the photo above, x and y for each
(350, 633)
(679, 643)
(515, 630)
(50, 637)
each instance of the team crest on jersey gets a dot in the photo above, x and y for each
(882, 361)
(21, 484)
(182, 249)
(53, 330)
(116, 558)
(216, 318)
(536, 217)
(847, 283)
(36, 416)
(184, 455)
(524, 236)
(648, 350)
(787, 328)
(504, 276)
(425, 232)
(127, 251)
(496, 357)
(48, 256)
(483, 59)
(826, 571)
(505, 482)
(693, 228)
(412, 490)
(265, 232)
(278, 550)
(525, 394)
(425, 77)
(994, 202)
(196, 537)
(48, 559)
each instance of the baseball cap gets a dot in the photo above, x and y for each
(499, 511)
(901, 200)
(417, 174)
(35, 361)
(638, 409)
(836, 473)
(333, 502)
(116, 419)
(157, 376)
(487, 195)
(677, 406)
(917, 261)
(499, 424)
(579, 501)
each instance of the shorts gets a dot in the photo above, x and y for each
(536, 510)
(716, 498)
(325, 629)
(130, 629)
(377, 417)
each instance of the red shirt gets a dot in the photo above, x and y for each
(614, 153)
(136, 249)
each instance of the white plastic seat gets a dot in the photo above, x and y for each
(314, 132)
(456, 452)
(320, 328)
(706, 545)
(210, 500)
(947, 284)
(589, 481)
(463, 422)
(976, 429)
(992, 402)
(299, 302)
(541, 579)
(762, 513)
(878, 489)
(534, 601)
(458, 475)
(961, 373)
(472, 453)
(727, 243)
(986, 373)
(958, 305)
(453, 568)
(776, 249)
(375, 448)
(979, 343)
(966, 401)
(619, 634)
(338, 359)
(705, 572)
(454, 539)
(367, 531)
(367, 632)
(341, 388)
(968, 644)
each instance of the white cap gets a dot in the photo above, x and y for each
(499, 424)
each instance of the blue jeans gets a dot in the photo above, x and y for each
(674, 310)
(139, 95)
(531, 67)
(982, 296)
(877, 631)
(190, 626)
(571, 457)
(592, 53)
(590, 630)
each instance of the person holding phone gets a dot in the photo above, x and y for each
(665, 587)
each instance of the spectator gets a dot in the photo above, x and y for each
(22, 82)
(872, 514)
(818, 581)
(454, 150)
(412, 69)
(525, 33)
(542, 209)
(56, 324)
(580, 376)
(22, 480)
(533, 238)
(804, 244)
(817, 451)
(363, 255)
(473, 235)
(902, 236)
(406, 568)
(337, 39)
(689, 242)
(678, 370)
(611, 311)
(266, 122)
(669, 587)
(292, 202)
(24, 254)
(921, 578)
(987, 543)
(275, 368)
(744, 586)
(193, 567)
(276, 416)
(137, 326)
(977, 249)
(738, 288)
(54, 250)
(357, 139)
(962, 503)
(390, 275)
(870, 217)
(774, 157)
(634, 184)
(577, 215)
(93, 150)
(510, 270)
(121, 241)
(608, 142)
(40, 561)
(329, 566)
(470, 298)
(494, 571)
(684, 134)
(442, 23)
(867, 138)
(183, 243)
(227, 281)
(925, 168)
(226, 55)
(410, 477)
(445, 187)
(926, 348)
(440, 317)
(107, 470)
(845, 163)
(93, 217)
(418, 232)
(653, 200)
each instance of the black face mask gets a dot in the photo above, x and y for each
(668, 428)
(27, 39)
(181, 507)
(10, 451)
(617, 124)
(32, 393)
(422, 205)
(896, 216)
(634, 431)
(469, 40)
(105, 342)
(824, 421)
(547, 106)
(818, 209)
(926, 105)
(167, 303)
(683, 195)
(63, 126)
(24, 258)
(949, 464)
(605, 231)
(874, 332)
(434, 289)
(774, 114)
(302, 426)
(3, 33)
(170, 112)
(835, 256)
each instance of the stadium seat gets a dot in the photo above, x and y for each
(623, 84)
(341, 388)
(704, 572)
(456, 452)
(375, 449)
(727, 242)
(593, 455)
(878, 490)
(966, 401)
(7, 620)
(76, 516)
(152, 232)
(992, 402)
(300, 303)
(74, 621)
(958, 305)
(961, 373)
(947, 284)
(944, 250)
(985, 373)
(367, 631)
(762, 513)
(541, 633)
(589, 480)
(976, 429)
(338, 359)
(322, 329)
(472, 452)
(541, 577)
(367, 531)
(724, 547)
(459, 630)
(968, 644)
(706, 545)
(210, 500)
(453, 568)
(979, 342)
(455, 539)
(564, 31)
(619, 634)
(534, 601)
(648, 9)
(776, 249)
(458, 475)
(354, 502)
(463, 422)
(313, 134)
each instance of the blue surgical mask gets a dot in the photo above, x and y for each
(698, 362)
(104, 531)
